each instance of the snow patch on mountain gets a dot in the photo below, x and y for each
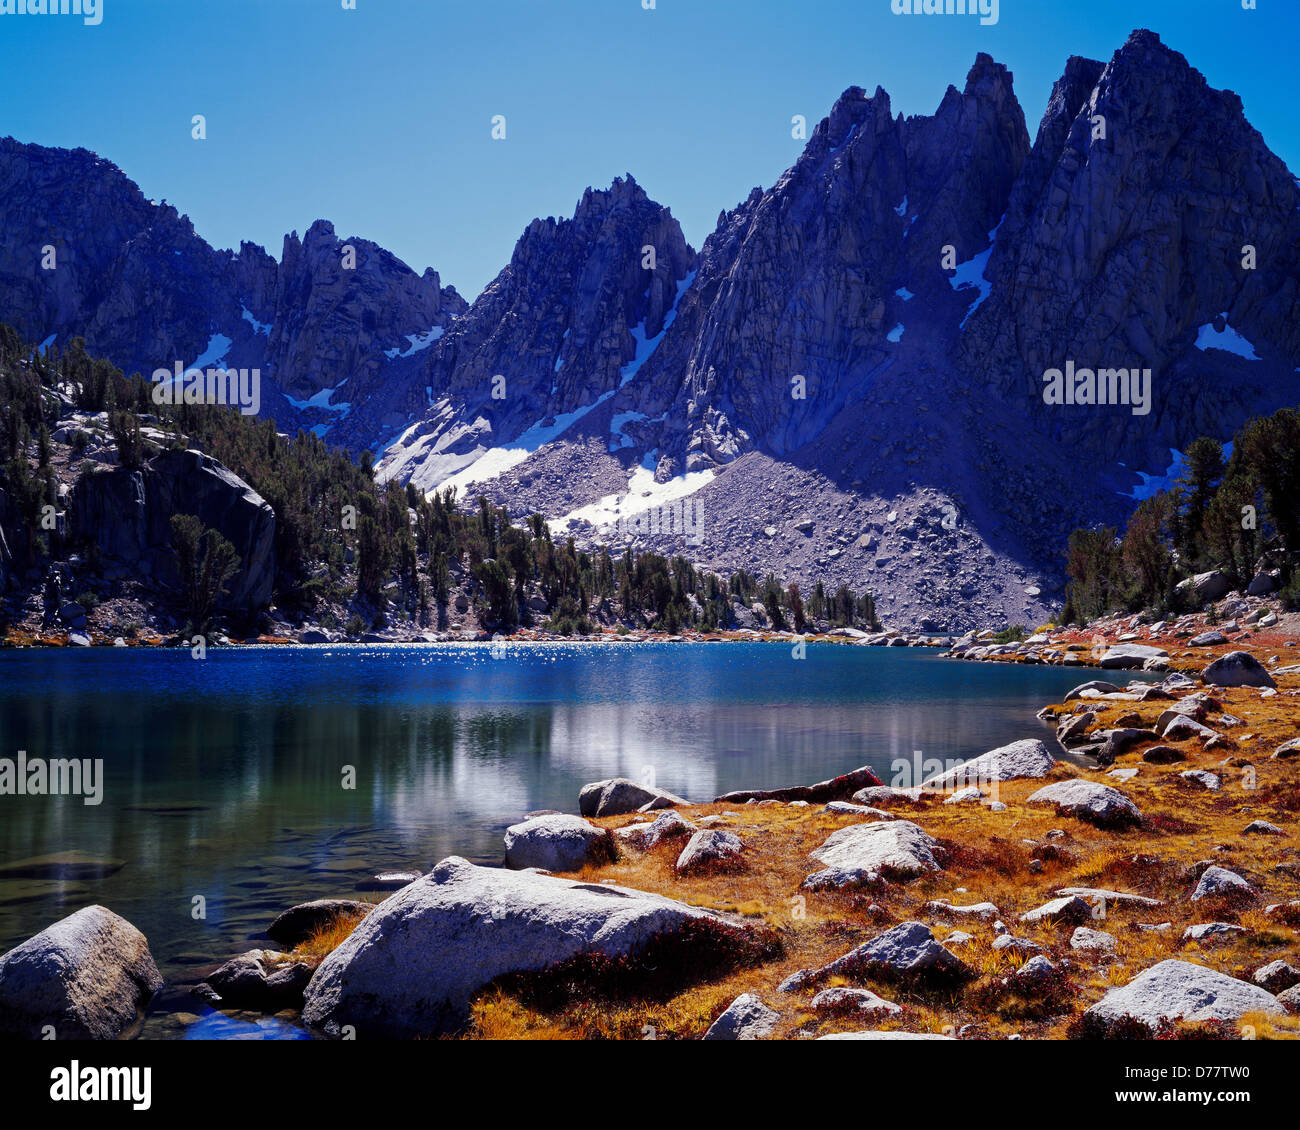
(1229, 340)
(419, 343)
(971, 273)
(642, 494)
(262, 328)
(321, 399)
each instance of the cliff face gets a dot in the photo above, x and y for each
(1119, 250)
(802, 281)
(565, 325)
(132, 277)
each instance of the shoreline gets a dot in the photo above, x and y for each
(841, 636)
(990, 867)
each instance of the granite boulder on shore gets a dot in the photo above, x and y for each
(87, 977)
(412, 966)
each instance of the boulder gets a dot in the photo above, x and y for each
(260, 979)
(1237, 669)
(107, 509)
(1037, 970)
(1097, 895)
(1219, 882)
(1021, 946)
(1290, 1000)
(1119, 741)
(1206, 587)
(855, 1002)
(87, 977)
(1287, 750)
(1098, 804)
(1204, 930)
(1180, 727)
(1070, 909)
(1028, 757)
(1262, 584)
(1277, 976)
(1179, 990)
(555, 843)
(837, 788)
(1163, 755)
(1095, 941)
(189, 482)
(885, 795)
(897, 850)
(667, 826)
(1201, 779)
(300, 922)
(710, 849)
(908, 951)
(1208, 639)
(410, 968)
(985, 911)
(1130, 656)
(847, 808)
(619, 796)
(884, 1036)
(746, 1018)
(1074, 729)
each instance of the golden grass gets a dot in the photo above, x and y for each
(989, 860)
(328, 937)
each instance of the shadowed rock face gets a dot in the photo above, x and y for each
(801, 280)
(565, 324)
(1116, 250)
(126, 515)
(134, 279)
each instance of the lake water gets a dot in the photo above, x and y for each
(224, 777)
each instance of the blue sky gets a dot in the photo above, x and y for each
(379, 118)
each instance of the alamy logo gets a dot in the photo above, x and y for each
(987, 10)
(1099, 387)
(35, 776)
(179, 385)
(75, 1083)
(91, 11)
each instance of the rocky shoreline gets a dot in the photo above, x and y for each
(1149, 889)
(317, 636)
